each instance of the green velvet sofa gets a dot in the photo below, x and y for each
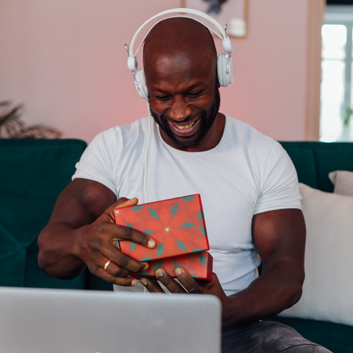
(34, 172)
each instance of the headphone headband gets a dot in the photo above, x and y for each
(227, 43)
(224, 61)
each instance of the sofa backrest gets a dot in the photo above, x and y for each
(33, 173)
(314, 160)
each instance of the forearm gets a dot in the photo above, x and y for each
(275, 290)
(58, 256)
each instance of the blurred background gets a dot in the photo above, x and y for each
(65, 61)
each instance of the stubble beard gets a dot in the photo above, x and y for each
(206, 122)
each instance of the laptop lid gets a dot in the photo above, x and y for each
(57, 321)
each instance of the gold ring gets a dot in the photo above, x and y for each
(106, 264)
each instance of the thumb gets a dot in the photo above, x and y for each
(124, 202)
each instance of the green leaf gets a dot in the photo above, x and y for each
(187, 225)
(158, 265)
(202, 259)
(153, 212)
(203, 230)
(200, 216)
(194, 276)
(187, 198)
(198, 250)
(146, 259)
(160, 250)
(132, 246)
(129, 225)
(148, 232)
(174, 209)
(176, 264)
(181, 245)
(137, 208)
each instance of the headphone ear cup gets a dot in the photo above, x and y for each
(140, 83)
(225, 74)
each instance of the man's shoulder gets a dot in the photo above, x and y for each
(124, 133)
(248, 136)
(137, 126)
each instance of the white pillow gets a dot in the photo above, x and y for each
(343, 182)
(328, 287)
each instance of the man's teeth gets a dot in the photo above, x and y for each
(188, 126)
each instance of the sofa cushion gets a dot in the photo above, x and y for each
(342, 181)
(328, 287)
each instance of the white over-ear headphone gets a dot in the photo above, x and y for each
(224, 61)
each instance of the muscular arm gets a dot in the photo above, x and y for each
(81, 232)
(280, 239)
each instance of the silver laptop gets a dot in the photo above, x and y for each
(73, 321)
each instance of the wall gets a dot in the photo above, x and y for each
(66, 61)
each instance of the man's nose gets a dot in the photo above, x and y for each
(179, 110)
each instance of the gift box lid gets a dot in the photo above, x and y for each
(177, 225)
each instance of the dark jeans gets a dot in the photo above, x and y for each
(266, 337)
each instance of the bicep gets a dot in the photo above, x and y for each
(279, 237)
(81, 202)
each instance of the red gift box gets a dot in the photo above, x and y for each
(177, 225)
(197, 265)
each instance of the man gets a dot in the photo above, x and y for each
(247, 183)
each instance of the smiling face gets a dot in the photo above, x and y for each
(182, 84)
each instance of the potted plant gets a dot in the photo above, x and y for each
(12, 126)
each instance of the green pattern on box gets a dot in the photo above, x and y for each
(160, 250)
(148, 232)
(198, 250)
(158, 265)
(129, 225)
(153, 213)
(202, 259)
(137, 208)
(132, 246)
(143, 274)
(174, 209)
(181, 245)
(146, 259)
(200, 216)
(203, 230)
(187, 198)
(187, 225)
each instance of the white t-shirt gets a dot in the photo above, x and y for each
(245, 174)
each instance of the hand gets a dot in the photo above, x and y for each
(189, 283)
(96, 245)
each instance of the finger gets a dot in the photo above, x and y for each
(120, 281)
(151, 285)
(97, 268)
(115, 270)
(108, 214)
(187, 281)
(124, 202)
(168, 281)
(119, 232)
(126, 262)
(108, 266)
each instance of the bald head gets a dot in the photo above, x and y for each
(180, 39)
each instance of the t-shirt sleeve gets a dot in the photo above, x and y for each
(95, 164)
(278, 183)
